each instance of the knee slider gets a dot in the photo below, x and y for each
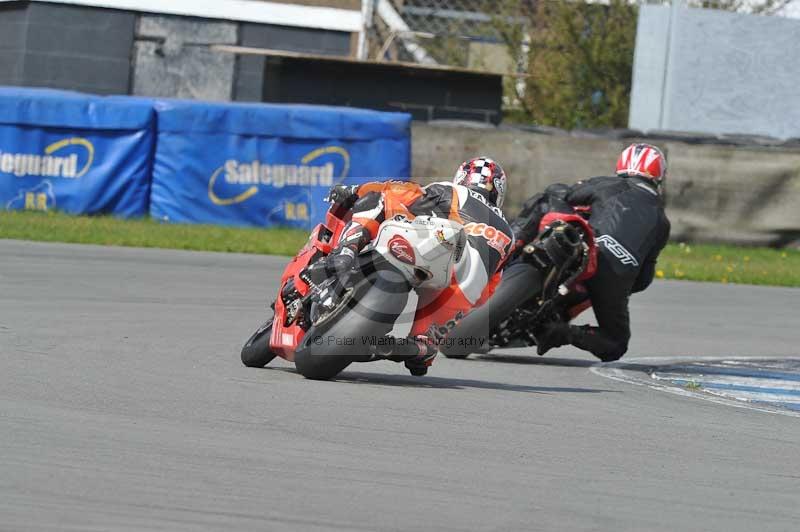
(613, 354)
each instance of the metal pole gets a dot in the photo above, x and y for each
(675, 5)
(367, 10)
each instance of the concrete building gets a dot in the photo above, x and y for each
(165, 47)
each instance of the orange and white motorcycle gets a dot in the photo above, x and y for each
(324, 323)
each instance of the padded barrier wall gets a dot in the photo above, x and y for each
(190, 162)
(267, 164)
(73, 152)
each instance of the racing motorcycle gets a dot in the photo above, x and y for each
(324, 321)
(542, 282)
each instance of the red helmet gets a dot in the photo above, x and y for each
(483, 173)
(643, 160)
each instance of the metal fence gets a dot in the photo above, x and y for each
(445, 32)
(462, 17)
(457, 32)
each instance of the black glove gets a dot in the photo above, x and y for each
(336, 264)
(552, 334)
(340, 261)
(344, 194)
(316, 272)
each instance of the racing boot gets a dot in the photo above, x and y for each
(417, 352)
(418, 365)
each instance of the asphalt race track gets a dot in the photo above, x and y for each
(124, 406)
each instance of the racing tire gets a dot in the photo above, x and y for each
(521, 282)
(328, 349)
(256, 352)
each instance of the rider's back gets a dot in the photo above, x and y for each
(628, 218)
(488, 232)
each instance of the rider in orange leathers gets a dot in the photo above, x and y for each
(473, 199)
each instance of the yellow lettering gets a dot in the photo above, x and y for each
(41, 201)
(30, 201)
(302, 211)
(290, 211)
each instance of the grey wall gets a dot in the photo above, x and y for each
(69, 47)
(250, 68)
(172, 58)
(716, 72)
(716, 193)
(13, 31)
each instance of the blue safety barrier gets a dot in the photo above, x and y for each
(186, 161)
(73, 152)
(267, 165)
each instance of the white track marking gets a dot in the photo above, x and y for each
(617, 371)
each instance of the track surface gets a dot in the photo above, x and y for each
(123, 406)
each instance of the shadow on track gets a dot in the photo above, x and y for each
(534, 360)
(454, 383)
(407, 381)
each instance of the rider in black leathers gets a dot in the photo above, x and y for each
(631, 229)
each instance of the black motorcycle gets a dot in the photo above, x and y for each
(541, 283)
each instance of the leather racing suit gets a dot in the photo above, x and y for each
(631, 228)
(489, 241)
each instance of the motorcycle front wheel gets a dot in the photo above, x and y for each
(256, 352)
(521, 282)
(349, 336)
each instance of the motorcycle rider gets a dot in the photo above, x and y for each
(631, 228)
(474, 199)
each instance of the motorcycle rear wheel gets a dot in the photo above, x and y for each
(256, 352)
(521, 282)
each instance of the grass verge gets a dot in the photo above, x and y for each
(730, 264)
(147, 233)
(724, 264)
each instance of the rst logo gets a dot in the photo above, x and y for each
(497, 239)
(618, 250)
